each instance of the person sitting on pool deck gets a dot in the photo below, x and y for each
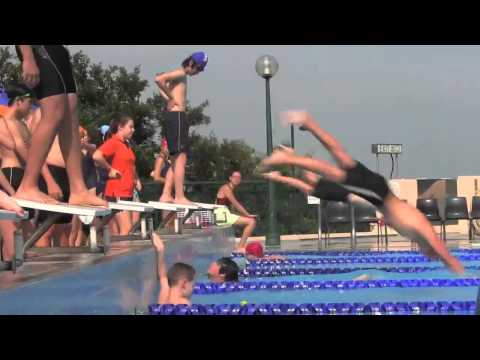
(352, 177)
(226, 196)
(176, 285)
(223, 270)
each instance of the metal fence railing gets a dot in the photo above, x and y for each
(294, 215)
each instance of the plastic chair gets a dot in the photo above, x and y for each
(429, 208)
(474, 214)
(366, 213)
(338, 212)
(455, 209)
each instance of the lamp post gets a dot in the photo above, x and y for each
(266, 67)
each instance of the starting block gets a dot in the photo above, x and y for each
(56, 211)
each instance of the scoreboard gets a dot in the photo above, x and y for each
(387, 148)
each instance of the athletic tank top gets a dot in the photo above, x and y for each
(223, 201)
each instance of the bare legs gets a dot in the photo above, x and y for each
(179, 179)
(249, 224)
(59, 115)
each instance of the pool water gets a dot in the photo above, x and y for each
(360, 295)
(340, 296)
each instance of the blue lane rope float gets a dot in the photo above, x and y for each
(356, 260)
(220, 288)
(387, 308)
(277, 272)
(357, 253)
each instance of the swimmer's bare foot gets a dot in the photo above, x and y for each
(296, 117)
(166, 199)
(183, 201)
(34, 194)
(86, 198)
(8, 203)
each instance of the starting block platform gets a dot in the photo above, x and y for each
(145, 210)
(174, 210)
(11, 216)
(86, 214)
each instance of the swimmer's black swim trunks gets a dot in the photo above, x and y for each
(56, 75)
(176, 132)
(360, 181)
(365, 183)
(60, 176)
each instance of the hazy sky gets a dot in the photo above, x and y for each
(425, 97)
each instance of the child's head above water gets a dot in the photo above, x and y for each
(182, 277)
(223, 270)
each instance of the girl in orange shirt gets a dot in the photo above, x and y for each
(117, 157)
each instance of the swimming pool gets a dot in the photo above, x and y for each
(318, 283)
(120, 285)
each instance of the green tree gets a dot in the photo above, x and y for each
(213, 160)
(104, 91)
(108, 90)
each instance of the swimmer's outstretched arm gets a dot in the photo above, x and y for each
(161, 268)
(412, 224)
(306, 121)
